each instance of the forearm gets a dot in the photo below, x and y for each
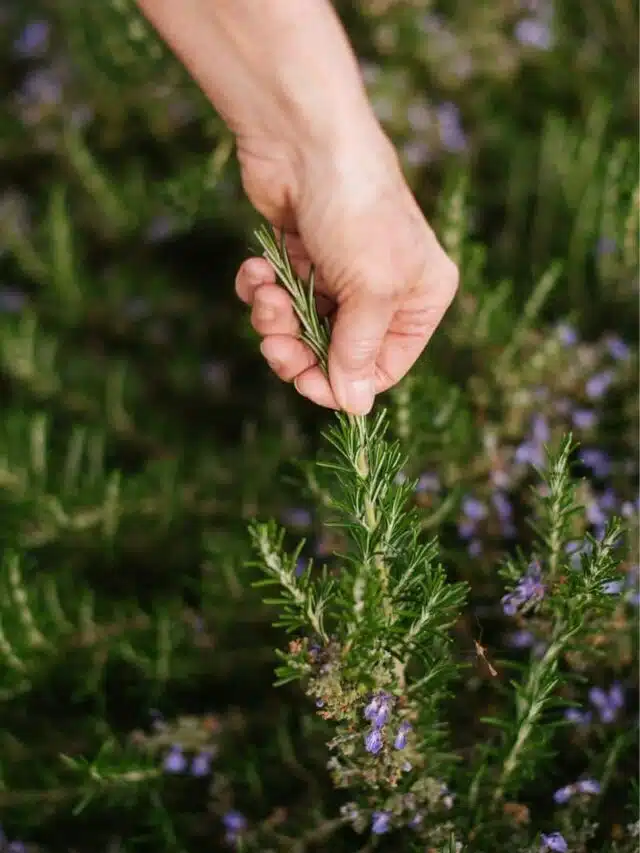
(281, 69)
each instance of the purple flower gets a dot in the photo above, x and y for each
(554, 841)
(379, 709)
(588, 786)
(175, 761)
(595, 515)
(607, 702)
(467, 528)
(452, 135)
(567, 334)
(598, 385)
(529, 453)
(33, 40)
(617, 348)
(474, 509)
(428, 483)
(502, 506)
(401, 737)
(533, 33)
(528, 591)
(297, 517)
(373, 742)
(584, 418)
(475, 548)
(201, 764)
(234, 823)
(597, 461)
(540, 429)
(563, 795)
(301, 567)
(575, 715)
(521, 639)
(613, 587)
(380, 822)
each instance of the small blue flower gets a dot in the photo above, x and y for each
(474, 509)
(428, 483)
(529, 591)
(617, 348)
(380, 822)
(530, 453)
(540, 429)
(33, 40)
(607, 702)
(597, 461)
(401, 737)
(567, 335)
(379, 709)
(522, 639)
(475, 548)
(201, 764)
(373, 741)
(563, 795)
(502, 506)
(613, 587)
(584, 418)
(235, 824)
(554, 841)
(580, 718)
(452, 135)
(588, 786)
(532, 32)
(598, 385)
(175, 760)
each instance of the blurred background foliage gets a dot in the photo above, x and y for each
(140, 430)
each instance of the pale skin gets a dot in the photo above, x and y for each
(316, 163)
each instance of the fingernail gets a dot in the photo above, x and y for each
(360, 396)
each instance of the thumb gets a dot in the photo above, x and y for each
(360, 326)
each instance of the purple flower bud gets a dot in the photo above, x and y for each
(401, 737)
(33, 40)
(597, 461)
(584, 418)
(540, 429)
(533, 33)
(529, 453)
(201, 764)
(612, 587)
(380, 822)
(502, 505)
(588, 786)
(521, 639)
(373, 742)
(452, 135)
(598, 385)
(235, 824)
(567, 335)
(575, 715)
(617, 348)
(475, 548)
(467, 528)
(428, 483)
(474, 509)
(555, 842)
(379, 709)
(175, 761)
(563, 795)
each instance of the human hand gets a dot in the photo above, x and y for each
(381, 275)
(316, 164)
